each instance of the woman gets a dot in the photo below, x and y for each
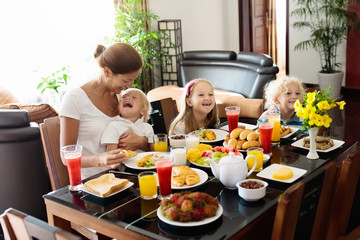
(87, 110)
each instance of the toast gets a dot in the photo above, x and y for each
(105, 184)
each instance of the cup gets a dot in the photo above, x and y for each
(274, 119)
(147, 185)
(72, 156)
(191, 141)
(178, 156)
(163, 169)
(265, 129)
(160, 142)
(258, 153)
(232, 115)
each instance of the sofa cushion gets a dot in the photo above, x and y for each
(38, 112)
(249, 108)
(7, 97)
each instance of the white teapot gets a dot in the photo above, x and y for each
(231, 169)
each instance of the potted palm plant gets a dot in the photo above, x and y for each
(329, 22)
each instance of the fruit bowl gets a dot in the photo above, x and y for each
(251, 189)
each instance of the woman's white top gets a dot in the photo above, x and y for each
(77, 105)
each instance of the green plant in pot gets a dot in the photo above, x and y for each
(132, 26)
(329, 22)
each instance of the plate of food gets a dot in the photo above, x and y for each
(184, 177)
(281, 173)
(287, 131)
(323, 144)
(209, 135)
(168, 214)
(146, 160)
(106, 185)
(242, 139)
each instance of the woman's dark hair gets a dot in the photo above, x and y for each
(121, 58)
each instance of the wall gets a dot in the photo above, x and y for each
(213, 24)
(206, 24)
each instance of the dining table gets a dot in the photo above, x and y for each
(127, 216)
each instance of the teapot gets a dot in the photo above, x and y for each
(231, 169)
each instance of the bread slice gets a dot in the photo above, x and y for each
(105, 185)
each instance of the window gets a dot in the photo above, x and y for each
(41, 36)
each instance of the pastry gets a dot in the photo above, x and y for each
(235, 133)
(192, 179)
(249, 144)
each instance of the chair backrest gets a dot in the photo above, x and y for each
(50, 136)
(19, 225)
(344, 204)
(302, 210)
(166, 111)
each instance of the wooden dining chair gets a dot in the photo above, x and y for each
(20, 226)
(50, 136)
(166, 110)
(346, 201)
(302, 210)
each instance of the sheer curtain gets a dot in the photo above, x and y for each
(39, 37)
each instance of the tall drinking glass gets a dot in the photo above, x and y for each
(178, 156)
(274, 119)
(163, 169)
(160, 142)
(191, 141)
(72, 156)
(147, 185)
(232, 115)
(266, 129)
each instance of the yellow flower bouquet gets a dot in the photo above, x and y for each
(313, 110)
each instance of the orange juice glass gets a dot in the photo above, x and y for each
(258, 153)
(160, 142)
(274, 119)
(148, 185)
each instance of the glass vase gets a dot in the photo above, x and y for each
(313, 153)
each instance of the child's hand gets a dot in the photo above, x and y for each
(112, 158)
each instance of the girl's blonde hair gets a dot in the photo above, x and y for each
(186, 116)
(144, 100)
(277, 86)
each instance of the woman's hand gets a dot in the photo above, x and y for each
(131, 141)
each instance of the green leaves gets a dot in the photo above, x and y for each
(55, 80)
(132, 25)
(328, 22)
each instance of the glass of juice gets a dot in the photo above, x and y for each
(258, 153)
(164, 169)
(148, 185)
(72, 156)
(232, 115)
(191, 141)
(274, 119)
(160, 142)
(178, 156)
(265, 135)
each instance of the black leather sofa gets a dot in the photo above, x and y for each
(238, 79)
(245, 73)
(23, 175)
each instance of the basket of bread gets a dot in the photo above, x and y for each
(242, 139)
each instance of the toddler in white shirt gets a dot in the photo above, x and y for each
(134, 109)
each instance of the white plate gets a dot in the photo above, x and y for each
(220, 135)
(337, 144)
(203, 177)
(294, 129)
(247, 126)
(270, 170)
(200, 165)
(131, 162)
(191, 224)
(266, 158)
(129, 184)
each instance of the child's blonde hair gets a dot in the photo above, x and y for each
(144, 100)
(275, 87)
(186, 116)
